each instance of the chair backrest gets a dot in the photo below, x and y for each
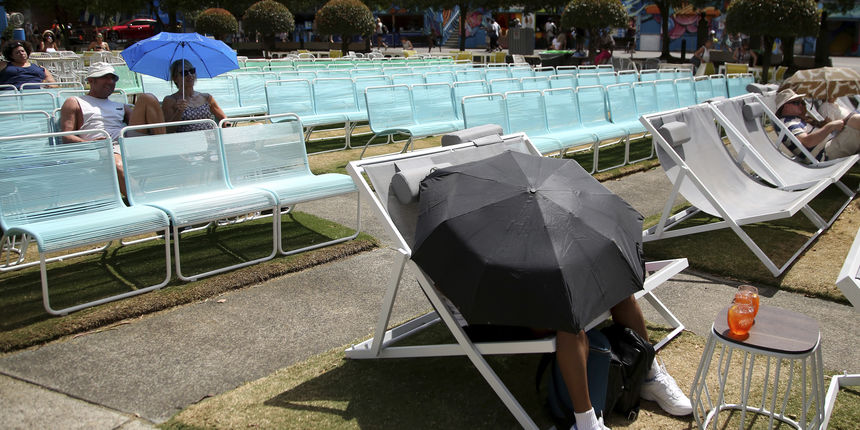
(544, 71)
(535, 83)
(587, 79)
(437, 77)
(433, 102)
(605, 68)
(17, 123)
(252, 87)
(41, 183)
(735, 85)
(297, 74)
(628, 76)
(733, 68)
(128, 80)
(587, 68)
(607, 78)
(505, 85)
(496, 73)
(485, 109)
(257, 62)
(718, 86)
(365, 71)
(407, 79)
(156, 86)
(592, 105)
(162, 166)
(334, 95)
(521, 72)
(467, 88)
(389, 107)
(666, 94)
(704, 91)
(647, 75)
(333, 73)
(561, 107)
(622, 103)
(290, 96)
(526, 112)
(469, 75)
(265, 151)
(30, 100)
(666, 74)
(646, 97)
(223, 89)
(362, 82)
(51, 87)
(562, 81)
(686, 91)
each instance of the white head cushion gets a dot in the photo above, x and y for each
(753, 111)
(405, 183)
(676, 133)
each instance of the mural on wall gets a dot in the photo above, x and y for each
(683, 24)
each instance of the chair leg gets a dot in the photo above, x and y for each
(330, 242)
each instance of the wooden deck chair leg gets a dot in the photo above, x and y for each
(327, 243)
(189, 278)
(46, 298)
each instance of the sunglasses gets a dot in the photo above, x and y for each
(190, 71)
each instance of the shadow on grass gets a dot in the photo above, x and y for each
(121, 269)
(613, 155)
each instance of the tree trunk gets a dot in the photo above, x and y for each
(822, 45)
(788, 51)
(462, 27)
(664, 36)
(344, 43)
(766, 53)
(593, 36)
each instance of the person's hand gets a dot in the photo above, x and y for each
(836, 125)
(181, 104)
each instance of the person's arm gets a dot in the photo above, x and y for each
(815, 137)
(48, 77)
(105, 47)
(173, 109)
(215, 109)
(699, 52)
(754, 57)
(71, 119)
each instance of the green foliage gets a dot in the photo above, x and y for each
(594, 14)
(777, 18)
(345, 17)
(217, 22)
(268, 17)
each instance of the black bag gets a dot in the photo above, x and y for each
(630, 361)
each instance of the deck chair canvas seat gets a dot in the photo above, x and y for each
(696, 161)
(183, 175)
(394, 201)
(272, 157)
(65, 197)
(742, 117)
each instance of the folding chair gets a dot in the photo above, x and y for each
(742, 117)
(696, 161)
(398, 212)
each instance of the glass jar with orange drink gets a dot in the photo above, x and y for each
(747, 294)
(740, 318)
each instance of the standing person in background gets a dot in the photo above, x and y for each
(550, 31)
(743, 54)
(702, 56)
(495, 31)
(49, 42)
(630, 37)
(579, 40)
(17, 69)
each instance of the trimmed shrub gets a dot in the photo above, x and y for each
(347, 18)
(217, 22)
(268, 17)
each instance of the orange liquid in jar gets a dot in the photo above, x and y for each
(740, 318)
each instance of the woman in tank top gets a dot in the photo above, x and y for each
(17, 69)
(186, 104)
(49, 42)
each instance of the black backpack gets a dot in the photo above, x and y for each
(619, 358)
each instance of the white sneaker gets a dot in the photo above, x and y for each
(663, 389)
(600, 426)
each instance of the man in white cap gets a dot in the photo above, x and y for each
(791, 109)
(95, 111)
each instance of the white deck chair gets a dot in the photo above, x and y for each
(701, 170)
(741, 117)
(384, 193)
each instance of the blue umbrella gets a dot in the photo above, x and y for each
(154, 56)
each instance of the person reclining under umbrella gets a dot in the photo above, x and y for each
(94, 111)
(537, 242)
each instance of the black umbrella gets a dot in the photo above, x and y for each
(522, 240)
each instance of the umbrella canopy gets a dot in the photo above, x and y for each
(824, 83)
(522, 240)
(154, 56)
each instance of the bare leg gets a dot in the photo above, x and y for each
(572, 353)
(854, 121)
(119, 173)
(147, 110)
(629, 314)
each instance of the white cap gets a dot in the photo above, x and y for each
(97, 70)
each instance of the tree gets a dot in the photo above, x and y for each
(594, 15)
(347, 18)
(217, 22)
(770, 19)
(268, 17)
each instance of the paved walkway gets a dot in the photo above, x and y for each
(139, 373)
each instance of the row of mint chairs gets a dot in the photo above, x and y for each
(238, 94)
(559, 119)
(67, 196)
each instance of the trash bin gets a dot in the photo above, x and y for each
(521, 41)
(18, 34)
